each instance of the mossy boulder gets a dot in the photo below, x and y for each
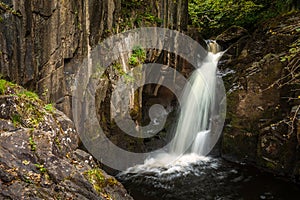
(39, 152)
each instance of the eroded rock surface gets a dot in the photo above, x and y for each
(39, 155)
(263, 96)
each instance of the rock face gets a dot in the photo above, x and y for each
(263, 95)
(39, 155)
(43, 42)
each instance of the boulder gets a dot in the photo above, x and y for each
(261, 126)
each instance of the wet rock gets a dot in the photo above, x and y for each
(233, 37)
(261, 125)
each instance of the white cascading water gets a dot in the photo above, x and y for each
(194, 124)
(191, 142)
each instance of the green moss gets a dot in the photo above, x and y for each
(57, 142)
(16, 119)
(49, 107)
(118, 67)
(4, 85)
(270, 165)
(28, 94)
(30, 111)
(127, 77)
(32, 144)
(98, 180)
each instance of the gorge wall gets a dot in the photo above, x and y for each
(263, 95)
(42, 42)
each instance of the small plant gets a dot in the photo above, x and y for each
(32, 144)
(2, 86)
(133, 60)
(49, 107)
(27, 180)
(16, 119)
(45, 93)
(139, 52)
(138, 56)
(152, 18)
(128, 78)
(118, 68)
(7, 8)
(96, 177)
(41, 168)
(57, 142)
(293, 51)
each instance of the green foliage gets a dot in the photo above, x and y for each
(96, 177)
(147, 19)
(215, 15)
(293, 51)
(138, 56)
(118, 67)
(16, 119)
(41, 168)
(4, 85)
(28, 94)
(137, 13)
(29, 110)
(133, 61)
(127, 77)
(32, 144)
(49, 107)
(8, 9)
(98, 180)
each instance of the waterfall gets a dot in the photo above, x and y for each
(193, 128)
(199, 124)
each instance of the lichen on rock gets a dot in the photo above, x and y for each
(39, 152)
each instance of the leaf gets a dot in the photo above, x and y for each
(283, 59)
(25, 162)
